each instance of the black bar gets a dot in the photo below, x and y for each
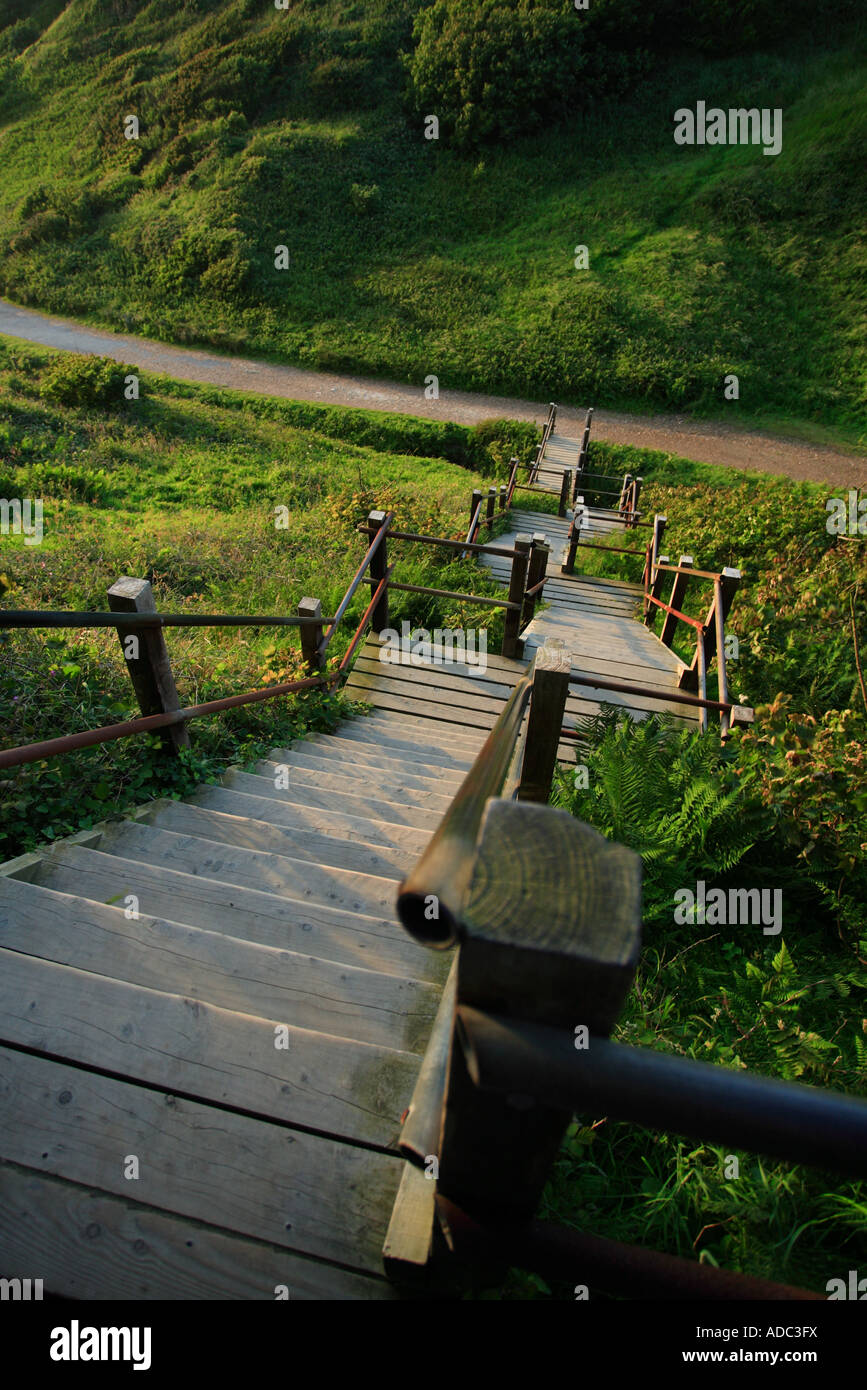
(802, 1124)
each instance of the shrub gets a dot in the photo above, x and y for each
(84, 380)
(491, 71)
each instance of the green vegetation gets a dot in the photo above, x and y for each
(181, 487)
(780, 807)
(305, 129)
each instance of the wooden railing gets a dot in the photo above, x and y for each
(709, 631)
(545, 914)
(133, 613)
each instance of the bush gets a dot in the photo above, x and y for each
(490, 71)
(84, 380)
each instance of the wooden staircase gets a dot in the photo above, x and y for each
(212, 1023)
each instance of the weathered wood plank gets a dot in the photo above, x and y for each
(381, 806)
(90, 1246)
(218, 907)
(332, 823)
(244, 976)
(249, 833)
(352, 1090)
(248, 868)
(292, 1189)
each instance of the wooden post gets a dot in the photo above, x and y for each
(728, 583)
(536, 571)
(517, 588)
(378, 566)
(636, 493)
(147, 659)
(492, 502)
(311, 635)
(678, 590)
(656, 592)
(513, 477)
(564, 491)
(551, 932)
(551, 672)
(659, 524)
(568, 567)
(477, 498)
(577, 479)
(503, 494)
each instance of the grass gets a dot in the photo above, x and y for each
(408, 257)
(181, 487)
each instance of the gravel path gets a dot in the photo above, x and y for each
(704, 441)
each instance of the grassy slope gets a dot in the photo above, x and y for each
(181, 487)
(407, 259)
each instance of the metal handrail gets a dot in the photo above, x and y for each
(356, 581)
(430, 899)
(32, 752)
(41, 618)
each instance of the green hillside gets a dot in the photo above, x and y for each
(408, 257)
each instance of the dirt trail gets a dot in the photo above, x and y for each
(703, 441)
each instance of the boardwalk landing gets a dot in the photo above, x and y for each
(211, 1022)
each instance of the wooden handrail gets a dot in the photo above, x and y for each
(431, 897)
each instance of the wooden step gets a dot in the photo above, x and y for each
(403, 778)
(293, 815)
(400, 744)
(90, 1246)
(187, 1046)
(258, 869)
(370, 804)
(248, 833)
(464, 742)
(392, 789)
(324, 931)
(241, 975)
(361, 757)
(461, 743)
(312, 1195)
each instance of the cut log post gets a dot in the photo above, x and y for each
(678, 591)
(311, 635)
(378, 567)
(517, 590)
(551, 932)
(551, 672)
(729, 580)
(565, 488)
(147, 659)
(656, 592)
(535, 573)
